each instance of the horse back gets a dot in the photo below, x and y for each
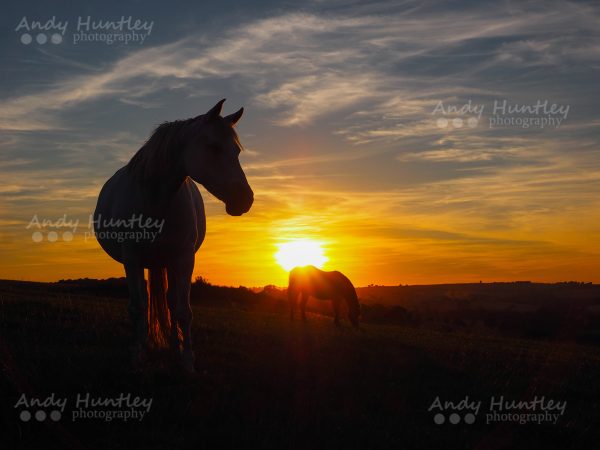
(318, 283)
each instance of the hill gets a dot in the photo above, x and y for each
(567, 310)
(267, 383)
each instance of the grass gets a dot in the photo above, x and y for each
(266, 382)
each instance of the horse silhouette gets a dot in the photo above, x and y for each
(150, 215)
(335, 286)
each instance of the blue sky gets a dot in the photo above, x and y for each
(343, 144)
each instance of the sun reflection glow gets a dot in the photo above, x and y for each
(300, 252)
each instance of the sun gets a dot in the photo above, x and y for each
(300, 252)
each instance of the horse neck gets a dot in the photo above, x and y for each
(161, 190)
(158, 166)
(351, 299)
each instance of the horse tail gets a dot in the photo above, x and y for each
(159, 319)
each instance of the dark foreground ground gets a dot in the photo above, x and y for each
(263, 381)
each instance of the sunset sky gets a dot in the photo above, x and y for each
(349, 141)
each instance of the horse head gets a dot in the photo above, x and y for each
(211, 158)
(354, 312)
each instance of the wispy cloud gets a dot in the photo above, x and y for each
(308, 65)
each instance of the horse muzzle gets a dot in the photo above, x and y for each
(240, 202)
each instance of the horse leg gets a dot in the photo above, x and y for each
(303, 301)
(292, 299)
(138, 309)
(174, 342)
(181, 274)
(336, 311)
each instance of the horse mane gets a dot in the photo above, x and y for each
(159, 152)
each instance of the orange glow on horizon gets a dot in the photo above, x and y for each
(376, 237)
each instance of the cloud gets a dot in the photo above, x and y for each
(315, 95)
(308, 65)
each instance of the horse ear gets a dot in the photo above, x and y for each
(233, 118)
(215, 111)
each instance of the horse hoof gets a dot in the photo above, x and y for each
(189, 369)
(187, 361)
(138, 361)
(175, 350)
(139, 354)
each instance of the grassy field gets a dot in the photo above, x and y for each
(265, 381)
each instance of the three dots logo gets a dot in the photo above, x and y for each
(51, 236)
(465, 115)
(454, 418)
(52, 229)
(463, 411)
(457, 122)
(41, 38)
(34, 409)
(41, 31)
(40, 415)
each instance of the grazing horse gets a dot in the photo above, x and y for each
(150, 215)
(334, 286)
